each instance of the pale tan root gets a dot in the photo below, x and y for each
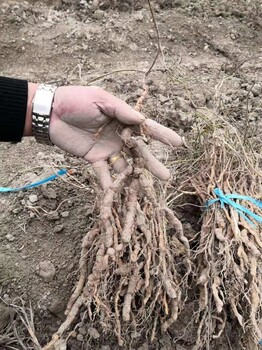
(132, 273)
(87, 242)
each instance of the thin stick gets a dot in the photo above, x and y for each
(114, 72)
(246, 127)
(159, 47)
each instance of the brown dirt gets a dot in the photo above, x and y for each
(213, 59)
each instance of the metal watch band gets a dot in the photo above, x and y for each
(42, 108)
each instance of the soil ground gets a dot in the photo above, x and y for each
(212, 57)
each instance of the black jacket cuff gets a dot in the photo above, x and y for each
(13, 106)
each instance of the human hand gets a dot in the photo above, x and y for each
(87, 122)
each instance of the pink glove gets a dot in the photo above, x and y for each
(87, 122)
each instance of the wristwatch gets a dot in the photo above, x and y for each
(42, 109)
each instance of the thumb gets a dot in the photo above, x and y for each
(114, 107)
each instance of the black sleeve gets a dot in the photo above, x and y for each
(13, 105)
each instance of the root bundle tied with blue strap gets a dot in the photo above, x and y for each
(61, 172)
(240, 209)
(227, 180)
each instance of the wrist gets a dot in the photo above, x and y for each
(28, 121)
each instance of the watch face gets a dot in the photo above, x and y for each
(43, 102)
(42, 106)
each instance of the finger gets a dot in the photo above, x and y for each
(114, 107)
(120, 165)
(162, 133)
(152, 164)
(102, 172)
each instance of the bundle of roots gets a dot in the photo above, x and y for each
(228, 254)
(134, 263)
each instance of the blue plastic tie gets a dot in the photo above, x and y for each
(227, 199)
(35, 184)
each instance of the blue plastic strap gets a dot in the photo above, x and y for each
(35, 184)
(227, 199)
